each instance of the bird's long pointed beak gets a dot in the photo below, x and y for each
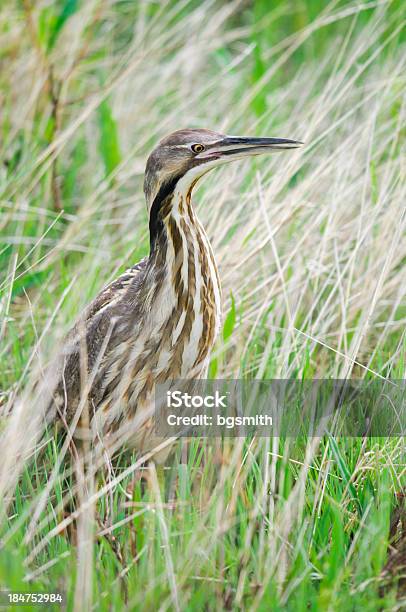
(237, 147)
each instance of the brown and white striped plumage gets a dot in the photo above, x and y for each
(159, 320)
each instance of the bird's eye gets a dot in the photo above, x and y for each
(197, 148)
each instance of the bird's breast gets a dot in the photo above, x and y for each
(194, 313)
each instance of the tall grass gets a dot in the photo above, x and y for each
(311, 249)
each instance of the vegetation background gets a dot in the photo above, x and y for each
(311, 248)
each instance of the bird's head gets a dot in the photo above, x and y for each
(188, 154)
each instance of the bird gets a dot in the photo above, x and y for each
(159, 320)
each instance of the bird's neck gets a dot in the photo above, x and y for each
(174, 227)
(182, 258)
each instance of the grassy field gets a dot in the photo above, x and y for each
(311, 249)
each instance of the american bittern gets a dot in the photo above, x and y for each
(159, 320)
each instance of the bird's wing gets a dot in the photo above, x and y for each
(91, 338)
(114, 291)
